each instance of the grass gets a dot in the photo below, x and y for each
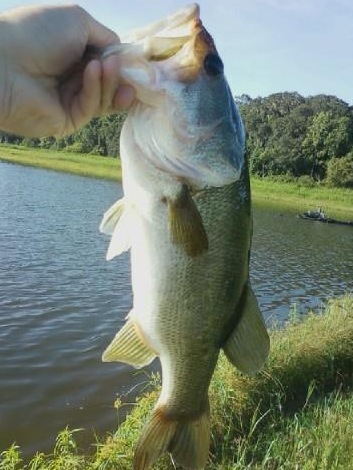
(93, 166)
(296, 414)
(265, 192)
(337, 202)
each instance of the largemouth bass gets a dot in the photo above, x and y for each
(186, 217)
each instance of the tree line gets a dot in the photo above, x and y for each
(293, 136)
(100, 137)
(288, 136)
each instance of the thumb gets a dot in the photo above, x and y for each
(99, 35)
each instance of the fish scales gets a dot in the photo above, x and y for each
(201, 298)
(186, 217)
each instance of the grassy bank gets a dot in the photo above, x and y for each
(337, 202)
(296, 414)
(267, 193)
(93, 166)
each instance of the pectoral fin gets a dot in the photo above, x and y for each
(116, 222)
(248, 346)
(111, 217)
(129, 346)
(185, 224)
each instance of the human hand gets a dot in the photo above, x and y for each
(46, 88)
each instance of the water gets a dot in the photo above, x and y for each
(61, 302)
(298, 263)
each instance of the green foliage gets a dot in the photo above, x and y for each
(282, 192)
(9, 139)
(306, 181)
(89, 136)
(47, 143)
(85, 165)
(100, 136)
(289, 134)
(76, 147)
(306, 362)
(327, 136)
(32, 143)
(111, 129)
(296, 196)
(11, 459)
(296, 413)
(340, 171)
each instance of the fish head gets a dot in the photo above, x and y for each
(185, 117)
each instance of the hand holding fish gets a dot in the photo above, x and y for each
(46, 87)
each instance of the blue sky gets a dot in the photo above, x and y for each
(267, 46)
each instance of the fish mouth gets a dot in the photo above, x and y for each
(178, 44)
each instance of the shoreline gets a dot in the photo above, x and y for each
(283, 414)
(266, 193)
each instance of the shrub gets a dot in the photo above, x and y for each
(340, 171)
(76, 147)
(306, 181)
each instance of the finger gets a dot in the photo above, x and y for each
(110, 81)
(124, 97)
(114, 95)
(86, 104)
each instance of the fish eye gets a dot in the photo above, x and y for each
(213, 65)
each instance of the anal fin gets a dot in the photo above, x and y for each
(248, 346)
(185, 223)
(129, 346)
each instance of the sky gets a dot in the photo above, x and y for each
(267, 46)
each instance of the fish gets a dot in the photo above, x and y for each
(186, 218)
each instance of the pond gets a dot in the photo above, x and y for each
(61, 302)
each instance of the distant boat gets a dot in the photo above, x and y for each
(319, 216)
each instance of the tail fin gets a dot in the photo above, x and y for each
(187, 440)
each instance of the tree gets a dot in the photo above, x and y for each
(9, 139)
(88, 138)
(328, 136)
(286, 134)
(289, 134)
(340, 171)
(110, 129)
